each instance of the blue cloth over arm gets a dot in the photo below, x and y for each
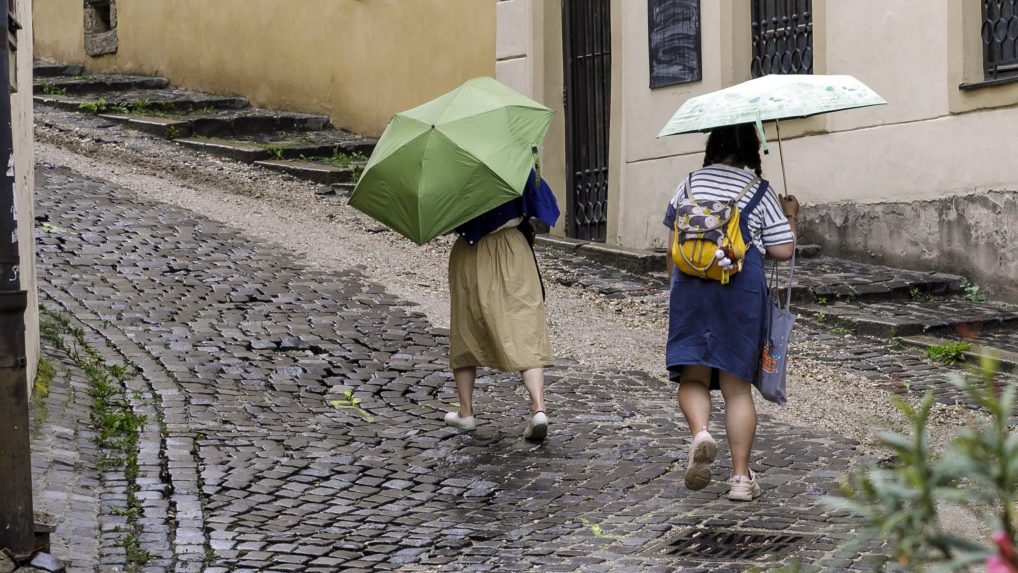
(537, 201)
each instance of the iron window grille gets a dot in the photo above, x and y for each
(1000, 38)
(782, 37)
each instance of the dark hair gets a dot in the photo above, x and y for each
(736, 141)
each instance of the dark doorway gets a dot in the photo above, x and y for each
(587, 98)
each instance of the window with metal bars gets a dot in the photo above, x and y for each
(782, 37)
(1000, 38)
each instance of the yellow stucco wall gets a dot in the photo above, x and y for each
(358, 61)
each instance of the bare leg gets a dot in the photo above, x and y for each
(740, 420)
(533, 380)
(694, 397)
(464, 378)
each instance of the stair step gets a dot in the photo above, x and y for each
(232, 149)
(1007, 360)
(893, 318)
(826, 280)
(144, 101)
(807, 251)
(314, 171)
(99, 84)
(221, 122)
(167, 127)
(284, 145)
(48, 70)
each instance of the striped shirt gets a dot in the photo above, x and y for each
(767, 224)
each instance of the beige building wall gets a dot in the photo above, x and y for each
(355, 60)
(932, 141)
(24, 181)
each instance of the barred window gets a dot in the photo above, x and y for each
(783, 37)
(999, 32)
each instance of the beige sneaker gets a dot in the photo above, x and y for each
(701, 456)
(742, 488)
(466, 424)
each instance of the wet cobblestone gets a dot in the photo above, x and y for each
(240, 351)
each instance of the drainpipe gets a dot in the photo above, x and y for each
(16, 520)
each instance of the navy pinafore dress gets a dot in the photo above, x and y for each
(721, 326)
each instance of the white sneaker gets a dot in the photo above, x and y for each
(744, 488)
(466, 424)
(701, 456)
(537, 429)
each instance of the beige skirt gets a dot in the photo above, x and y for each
(498, 318)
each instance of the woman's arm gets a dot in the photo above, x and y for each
(784, 251)
(669, 263)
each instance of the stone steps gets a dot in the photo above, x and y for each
(229, 123)
(825, 280)
(63, 85)
(324, 143)
(319, 172)
(1007, 360)
(908, 318)
(142, 101)
(48, 70)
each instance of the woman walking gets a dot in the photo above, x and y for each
(716, 331)
(498, 315)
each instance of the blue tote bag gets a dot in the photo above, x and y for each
(774, 356)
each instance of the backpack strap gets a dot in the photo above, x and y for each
(689, 185)
(757, 197)
(745, 190)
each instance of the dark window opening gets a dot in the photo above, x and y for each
(782, 37)
(1000, 38)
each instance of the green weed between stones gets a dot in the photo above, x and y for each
(51, 89)
(972, 292)
(948, 353)
(275, 151)
(172, 132)
(116, 424)
(351, 402)
(976, 473)
(101, 106)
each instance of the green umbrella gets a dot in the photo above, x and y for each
(441, 164)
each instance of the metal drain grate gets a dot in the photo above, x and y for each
(734, 545)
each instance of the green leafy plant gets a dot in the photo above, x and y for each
(842, 330)
(977, 472)
(948, 353)
(275, 151)
(972, 292)
(349, 401)
(915, 293)
(172, 132)
(822, 301)
(820, 317)
(52, 89)
(98, 106)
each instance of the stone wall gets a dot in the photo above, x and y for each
(972, 235)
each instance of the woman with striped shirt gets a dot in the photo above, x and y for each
(716, 331)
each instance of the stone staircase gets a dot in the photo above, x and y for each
(300, 144)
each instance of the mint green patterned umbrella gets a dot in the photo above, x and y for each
(769, 98)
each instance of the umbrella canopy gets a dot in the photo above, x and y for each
(771, 97)
(441, 164)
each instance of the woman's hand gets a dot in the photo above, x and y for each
(790, 206)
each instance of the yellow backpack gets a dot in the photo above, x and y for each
(708, 240)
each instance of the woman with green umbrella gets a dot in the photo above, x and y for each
(498, 316)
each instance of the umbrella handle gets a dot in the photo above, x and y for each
(762, 135)
(781, 154)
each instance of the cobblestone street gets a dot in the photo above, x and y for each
(244, 465)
